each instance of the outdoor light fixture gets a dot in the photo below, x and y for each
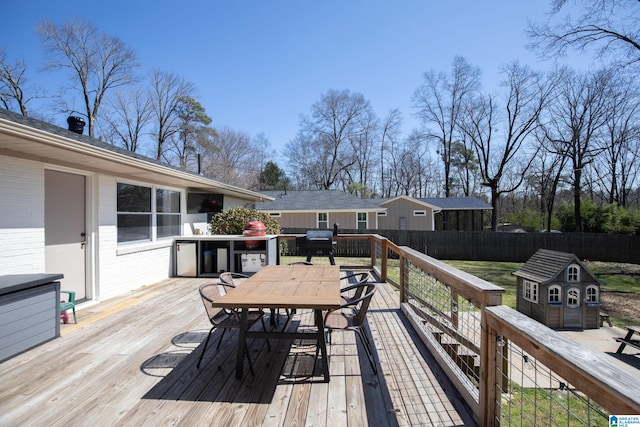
(454, 306)
(500, 341)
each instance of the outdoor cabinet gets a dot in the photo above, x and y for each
(219, 253)
(29, 311)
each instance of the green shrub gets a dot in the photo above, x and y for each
(233, 220)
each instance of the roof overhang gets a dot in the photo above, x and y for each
(21, 141)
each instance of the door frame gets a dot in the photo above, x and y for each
(90, 283)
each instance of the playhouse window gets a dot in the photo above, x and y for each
(573, 273)
(573, 297)
(592, 294)
(555, 294)
(530, 291)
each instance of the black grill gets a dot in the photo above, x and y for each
(320, 241)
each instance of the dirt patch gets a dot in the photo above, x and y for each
(623, 305)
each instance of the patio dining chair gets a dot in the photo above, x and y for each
(225, 319)
(352, 316)
(351, 281)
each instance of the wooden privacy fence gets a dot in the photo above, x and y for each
(490, 246)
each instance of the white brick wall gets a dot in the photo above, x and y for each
(21, 216)
(121, 273)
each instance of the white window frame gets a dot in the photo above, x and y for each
(592, 294)
(419, 212)
(382, 213)
(554, 297)
(530, 291)
(360, 221)
(319, 222)
(152, 214)
(573, 273)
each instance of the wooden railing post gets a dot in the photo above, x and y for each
(403, 279)
(383, 259)
(488, 361)
(372, 241)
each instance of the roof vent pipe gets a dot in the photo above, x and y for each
(76, 124)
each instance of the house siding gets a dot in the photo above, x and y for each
(21, 216)
(404, 208)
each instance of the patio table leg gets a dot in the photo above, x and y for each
(321, 342)
(241, 342)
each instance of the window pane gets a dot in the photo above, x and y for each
(168, 225)
(133, 228)
(133, 198)
(167, 201)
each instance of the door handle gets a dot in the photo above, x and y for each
(83, 242)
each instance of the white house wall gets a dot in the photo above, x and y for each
(124, 268)
(21, 216)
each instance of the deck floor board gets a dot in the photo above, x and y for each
(132, 360)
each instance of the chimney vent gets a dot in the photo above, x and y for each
(76, 124)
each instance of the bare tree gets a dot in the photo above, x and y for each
(619, 162)
(13, 84)
(323, 152)
(611, 27)
(440, 102)
(192, 123)
(501, 157)
(98, 62)
(166, 90)
(129, 114)
(389, 135)
(232, 157)
(577, 119)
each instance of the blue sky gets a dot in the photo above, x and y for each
(259, 65)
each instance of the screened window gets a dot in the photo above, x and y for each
(134, 213)
(530, 291)
(167, 213)
(573, 273)
(592, 294)
(555, 294)
(362, 221)
(323, 220)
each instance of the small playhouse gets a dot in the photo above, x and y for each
(556, 289)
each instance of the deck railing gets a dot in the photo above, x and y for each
(510, 369)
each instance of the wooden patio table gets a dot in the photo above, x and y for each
(315, 287)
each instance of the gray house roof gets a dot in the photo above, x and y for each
(315, 200)
(443, 203)
(34, 139)
(545, 265)
(456, 203)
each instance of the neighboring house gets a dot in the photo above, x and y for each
(432, 213)
(556, 289)
(320, 209)
(104, 217)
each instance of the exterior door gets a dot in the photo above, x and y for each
(573, 308)
(65, 232)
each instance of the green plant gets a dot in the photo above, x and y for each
(233, 220)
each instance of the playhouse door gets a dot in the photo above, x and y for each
(64, 229)
(572, 308)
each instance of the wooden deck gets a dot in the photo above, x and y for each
(132, 361)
